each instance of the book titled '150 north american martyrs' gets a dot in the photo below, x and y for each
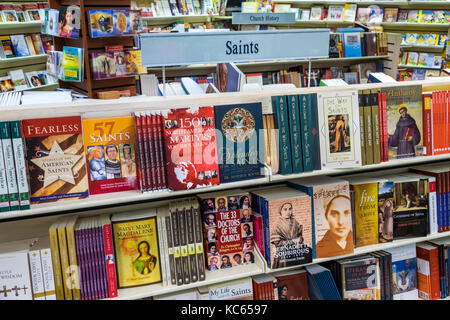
(136, 248)
(55, 158)
(110, 147)
(191, 151)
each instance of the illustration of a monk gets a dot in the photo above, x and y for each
(406, 135)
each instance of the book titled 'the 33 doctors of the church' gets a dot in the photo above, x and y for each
(241, 147)
(55, 158)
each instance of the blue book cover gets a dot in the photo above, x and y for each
(101, 23)
(240, 148)
(352, 44)
(20, 46)
(121, 22)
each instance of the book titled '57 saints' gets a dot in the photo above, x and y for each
(55, 158)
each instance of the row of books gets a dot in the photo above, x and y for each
(353, 42)
(16, 12)
(421, 59)
(424, 39)
(417, 74)
(24, 45)
(17, 80)
(116, 62)
(66, 65)
(169, 8)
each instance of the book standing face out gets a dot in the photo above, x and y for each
(55, 158)
(137, 251)
(110, 147)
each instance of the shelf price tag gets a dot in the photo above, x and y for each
(171, 49)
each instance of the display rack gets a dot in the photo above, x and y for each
(89, 86)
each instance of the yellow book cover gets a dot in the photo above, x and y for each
(136, 247)
(250, 6)
(71, 248)
(365, 199)
(65, 270)
(56, 261)
(110, 148)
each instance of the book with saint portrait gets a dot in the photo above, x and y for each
(136, 247)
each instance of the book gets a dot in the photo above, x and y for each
(7, 49)
(101, 23)
(241, 289)
(335, 13)
(330, 204)
(376, 15)
(316, 13)
(53, 22)
(190, 165)
(55, 158)
(404, 272)
(10, 171)
(413, 16)
(110, 148)
(404, 113)
(292, 285)
(121, 22)
(6, 84)
(425, 16)
(280, 108)
(428, 282)
(19, 45)
(69, 21)
(56, 261)
(42, 245)
(72, 64)
(363, 15)
(390, 14)
(352, 44)
(136, 248)
(20, 166)
(339, 133)
(350, 12)
(286, 214)
(240, 155)
(385, 211)
(321, 283)
(103, 65)
(18, 79)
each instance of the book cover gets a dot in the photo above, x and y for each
(428, 282)
(390, 14)
(426, 16)
(10, 171)
(55, 158)
(103, 65)
(136, 248)
(376, 15)
(7, 47)
(241, 147)
(18, 79)
(20, 165)
(413, 16)
(335, 13)
(363, 15)
(385, 211)
(280, 108)
(101, 23)
(402, 15)
(110, 148)
(53, 22)
(72, 64)
(69, 21)
(47, 272)
(16, 284)
(316, 13)
(352, 44)
(241, 289)
(20, 46)
(293, 285)
(191, 153)
(338, 115)
(121, 22)
(404, 119)
(404, 272)
(361, 279)
(6, 84)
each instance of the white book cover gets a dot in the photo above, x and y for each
(36, 275)
(48, 276)
(404, 271)
(241, 289)
(350, 12)
(339, 132)
(305, 15)
(4, 198)
(8, 157)
(335, 13)
(15, 281)
(162, 251)
(20, 165)
(18, 79)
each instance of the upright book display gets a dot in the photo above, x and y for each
(91, 87)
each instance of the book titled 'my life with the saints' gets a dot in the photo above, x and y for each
(110, 147)
(241, 147)
(55, 158)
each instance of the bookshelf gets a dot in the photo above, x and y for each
(159, 21)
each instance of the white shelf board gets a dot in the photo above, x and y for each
(417, 67)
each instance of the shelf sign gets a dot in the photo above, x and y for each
(171, 49)
(263, 18)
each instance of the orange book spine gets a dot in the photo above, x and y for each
(432, 256)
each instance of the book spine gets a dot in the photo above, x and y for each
(65, 265)
(48, 274)
(199, 250)
(376, 127)
(447, 200)
(432, 205)
(427, 125)
(183, 243)
(265, 209)
(162, 250)
(440, 201)
(56, 263)
(430, 256)
(34, 258)
(80, 264)
(146, 132)
(380, 117)
(101, 260)
(176, 244)
(157, 151)
(280, 107)
(73, 267)
(140, 151)
(98, 272)
(191, 244)
(110, 259)
(4, 196)
(21, 169)
(91, 262)
(8, 157)
(171, 254)
(361, 102)
(315, 131)
(88, 264)
(165, 253)
(385, 127)
(305, 132)
(368, 128)
(151, 152)
(160, 139)
(295, 136)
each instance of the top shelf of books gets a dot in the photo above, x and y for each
(400, 4)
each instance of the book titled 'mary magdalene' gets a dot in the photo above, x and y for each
(241, 147)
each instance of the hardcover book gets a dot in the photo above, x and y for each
(110, 148)
(136, 248)
(404, 121)
(292, 285)
(190, 148)
(339, 133)
(241, 147)
(55, 158)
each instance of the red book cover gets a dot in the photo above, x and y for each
(427, 126)
(428, 282)
(109, 256)
(157, 151)
(151, 162)
(293, 285)
(447, 192)
(147, 155)
(257, 221)
(160, 140)
(190, 148)
(447, 121)
(140, 151)
(110, 145)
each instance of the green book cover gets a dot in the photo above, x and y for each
(295, 133)
(8, 156)
(4, 197)
(315, 141)
(305, 111)
(361, 102)
(21, 170)
(375, 127)
(281, 111)
(368, 128)
(72, 64)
